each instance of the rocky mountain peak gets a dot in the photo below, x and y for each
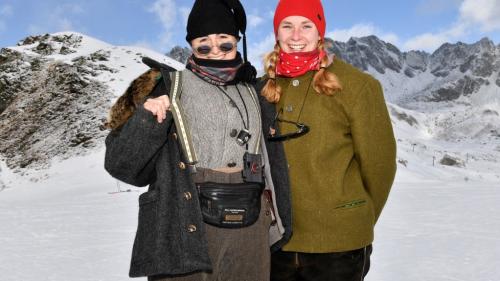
(486, 44)
(180, 54)
(480, 58)
(55, 94)
(48, 44)
(368, 52)
(49, 109)
(416, 61)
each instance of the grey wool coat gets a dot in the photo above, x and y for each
(170, 236)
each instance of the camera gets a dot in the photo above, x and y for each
(243, 137)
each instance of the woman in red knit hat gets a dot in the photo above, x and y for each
(339, 144)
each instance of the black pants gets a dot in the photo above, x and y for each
(342, 266)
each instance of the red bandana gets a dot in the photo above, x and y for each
(297, 64)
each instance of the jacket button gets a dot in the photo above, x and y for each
(191, 228)
(289, 108)
(174, 135)
(295, 83)
(233, 133)
(187, 195)
(182, 165)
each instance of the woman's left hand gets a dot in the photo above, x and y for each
(158, 106)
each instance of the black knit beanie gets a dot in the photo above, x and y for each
(221, 16)
(216, 16)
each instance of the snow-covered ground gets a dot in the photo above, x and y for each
(71, 226)
(67, 227)
(439, 231)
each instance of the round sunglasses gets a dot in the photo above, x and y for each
(224, 47)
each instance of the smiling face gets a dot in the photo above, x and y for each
(297, 34)
(215, 47)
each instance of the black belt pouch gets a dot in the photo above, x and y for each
(230, 205)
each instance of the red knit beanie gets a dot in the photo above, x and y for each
(311, 9)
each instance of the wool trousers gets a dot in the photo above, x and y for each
(340, 266)
(240, 254)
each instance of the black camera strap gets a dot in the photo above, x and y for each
(252, 162)
(246, 125)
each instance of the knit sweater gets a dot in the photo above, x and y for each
(342, 170)
(214, 119)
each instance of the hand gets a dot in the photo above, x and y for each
(158, 106)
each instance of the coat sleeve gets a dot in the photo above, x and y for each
(279, 170)
(132, 150)
(374, 143)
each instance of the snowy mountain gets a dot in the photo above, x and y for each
(56, 89)
(451, 97)
(452, 71)
(180, 54)
(55, 92)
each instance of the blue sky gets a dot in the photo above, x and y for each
(160, 24)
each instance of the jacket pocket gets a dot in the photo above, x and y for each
(148, 197)
(147, 228)
(351, 204)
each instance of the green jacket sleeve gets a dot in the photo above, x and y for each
(374, 143)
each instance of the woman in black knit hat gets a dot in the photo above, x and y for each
(205, 215)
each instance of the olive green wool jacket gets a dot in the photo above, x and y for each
(342, 170)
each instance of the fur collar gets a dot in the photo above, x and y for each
(126, 104)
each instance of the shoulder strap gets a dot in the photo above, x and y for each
(179, 117)
(173, 81)
(255, 99)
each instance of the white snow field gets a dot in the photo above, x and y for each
(69, 227)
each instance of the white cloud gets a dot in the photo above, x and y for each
(61, 18)
(483, 13)
(71, 8)
(474, 16)
(166, 12)
(143, 44)
(64, 24)
(426, 42)
(36, 29)
(5, 11)
(254, 20)
(436, 7)
(257, 51)
(431, 41)
(184, 14)
(360, 30)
